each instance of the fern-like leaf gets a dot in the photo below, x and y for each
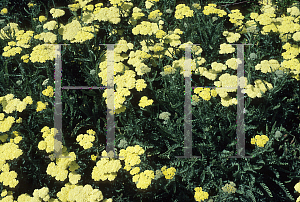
(286, 191)
(266, 188)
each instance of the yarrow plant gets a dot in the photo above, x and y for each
(151, 147)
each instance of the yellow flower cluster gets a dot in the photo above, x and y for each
(41, 106)
(10, 105)
(48, 92)
(143, 180)
(25, 58)
(8, 195)
(57, 12)
(9, 151)
(228, 83)
(6, 124)
(255, 91)
(16, 137)
(88, 8)
(168, 69)
(42, 18)
(11, 51)
(111, 15)
(196, 5)
(31, 5)
(48, 142)
(80, 193)
(148, 4)
(8, 178)
(297, 188)
(106, 168)
(218, 67)
(236, 17)
(136, 60)
(293, 65)
(9, 31)
(266, 66)
(233, 63)
(226, 48)
(168, 173)
(41, 53)
(4, 11)
(204, 93)
(292, 51)
(85, 140)
(47, 37)
(160, 34)
(70, 30)
(83, 35)
(284, 25)
(211, 9)
(23, 38)
(131, 156)
(145, 28)
(296, 36)
(135, 171)
(229, 188)
(145, 102)
(136, 15)
(294, 11)
(155, 15)
(183, 10)
(173, 39)
(74, 7)
(200, 195)
(231, 37)
(60, 169)
(93, 157)
(74, 177)
(41, 194)
(260, 140)
(140, 84)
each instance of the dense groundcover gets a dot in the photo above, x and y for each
(150, 74)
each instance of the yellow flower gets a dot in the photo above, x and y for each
(183, 11)
(135, 171)
(200, 195)
(74, 7)
(28, 100)
(41, 53)
(42, 18)
(297, 187)
(50, 25)
(229, 188)
(57, 12)
(41, 106)
(74, 177)
(145, 102)
(148, 4)
(226, 48)
(93, 157)
(140, 84)
(25, 58)
(48, 92)
(30, 5)
(260, 140)
(197, 6)
(4, 11)
(154, 15)
(169, 173)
